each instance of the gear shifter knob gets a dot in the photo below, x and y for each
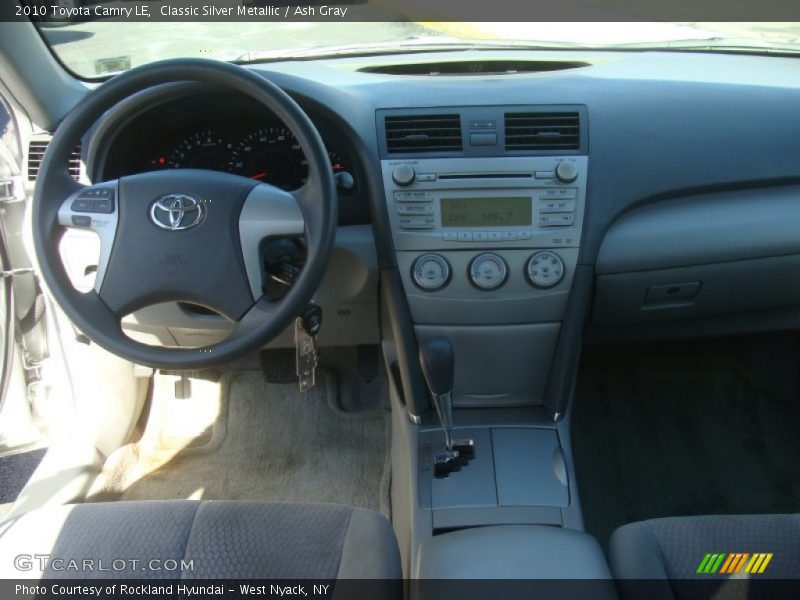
(436, 360)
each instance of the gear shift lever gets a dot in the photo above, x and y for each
(436, 359)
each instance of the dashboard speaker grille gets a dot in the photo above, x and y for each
(542, 131)
(36, 150)
(423, 133)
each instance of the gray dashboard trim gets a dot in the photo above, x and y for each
(704, 229)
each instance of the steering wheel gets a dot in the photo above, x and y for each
(183, 235)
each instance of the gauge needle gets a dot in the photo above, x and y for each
(258, 175)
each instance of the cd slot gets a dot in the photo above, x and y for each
(451, 176)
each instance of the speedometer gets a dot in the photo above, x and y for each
(272, 155)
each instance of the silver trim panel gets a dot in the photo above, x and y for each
(103, 224)
(267, 212)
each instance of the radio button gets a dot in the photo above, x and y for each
(464, 236)
(557, 220)
(524, 235)
(413, 197)
(426, 177)
(494, 236)
(415, 209)
(450, 236)
(557, 205)
(416, 222)
(480, 236)
(509, 236)
(558, 193)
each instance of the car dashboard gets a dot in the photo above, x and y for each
(693, 148)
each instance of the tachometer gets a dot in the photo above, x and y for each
(201, 150)
(272, 155)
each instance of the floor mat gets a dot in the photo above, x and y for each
(15, 471)
(684, 429)
(269, 442)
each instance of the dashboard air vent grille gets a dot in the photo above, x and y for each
(423, 133)
(36, 150)
(542, 131)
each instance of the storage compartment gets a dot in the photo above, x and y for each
(498, 366)
(518, 475)
(700, 256)
(685, 292)
(514, 552)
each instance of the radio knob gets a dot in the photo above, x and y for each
(566, 172)
(404, 175)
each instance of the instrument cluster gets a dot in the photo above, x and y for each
(267, 152)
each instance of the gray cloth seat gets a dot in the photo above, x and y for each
(668, 552)
(204, 540)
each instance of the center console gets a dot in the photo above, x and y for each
(486, 220)
(486, 208)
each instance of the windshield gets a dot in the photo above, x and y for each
(98, 48)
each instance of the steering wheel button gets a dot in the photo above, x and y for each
(105, 206)
(85, 205)
(81, 221)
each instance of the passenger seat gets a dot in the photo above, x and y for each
(671, 554)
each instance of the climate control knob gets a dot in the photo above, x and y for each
(431, 272)
(404, 175)
(488, 271)
(566, 172)
(545, 269)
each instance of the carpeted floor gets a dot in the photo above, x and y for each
(269, 442)
(683, 429)
(15, 470)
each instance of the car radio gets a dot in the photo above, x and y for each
(504, 202)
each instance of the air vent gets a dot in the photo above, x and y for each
(542, 131)
(36, 150)
(423, 133)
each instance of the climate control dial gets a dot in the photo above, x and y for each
(431, 272)
(545, 269)
(488, 271)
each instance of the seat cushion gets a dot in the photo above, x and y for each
(674, 548)
(207, 540)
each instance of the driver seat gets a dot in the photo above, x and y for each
(213, 540)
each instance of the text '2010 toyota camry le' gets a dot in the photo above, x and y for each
(372, 301)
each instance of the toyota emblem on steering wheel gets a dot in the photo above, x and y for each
(177, 212)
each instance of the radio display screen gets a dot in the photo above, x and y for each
(488, 212)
